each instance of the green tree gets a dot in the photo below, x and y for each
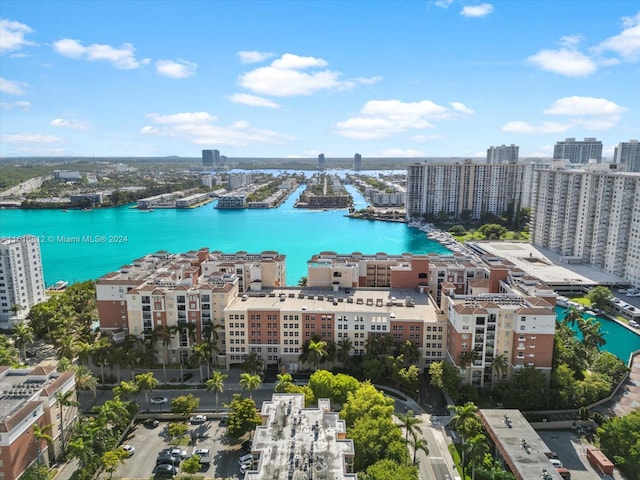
(592, 336)
(465, 421)
(125, 390)
(253, 364)
(185, 404)
(37, 472)
(249, 382)
(499, 365)
(606, 363)
(146, 382)
(22, 336)
(366, 400)
(284, 379)
(216, 384)
(177, 429)
(191, 465)
(8, 353)
(112, 458)
(82, 450)
(387, 469)
(620, 441)
(411, 425)
(321, 382)
(85, 381)
(600, 298)
(317, 351)
(303, 282)
(39, 433)
(474, 451)
(376, 438)
(572, 316)
(344, 350)
(65, 400)
(444, 375)
(243, 416)
(419, 444)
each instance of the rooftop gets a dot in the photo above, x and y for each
(297, 443)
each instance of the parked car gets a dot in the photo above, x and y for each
(246, 445)
(245, 459)
(166, 459)
(165, 470)
(175, 451)
(151, 423)
(187, 376)
(129, 449)
(204, 454)
(198, 419)
(556, 463)
(158, 400)
(634, 324)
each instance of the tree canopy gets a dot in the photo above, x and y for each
(243, 416)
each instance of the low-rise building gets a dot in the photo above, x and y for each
(316, 441)
(31, 397)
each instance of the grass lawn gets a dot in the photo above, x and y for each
(509, 236)
(582, 301)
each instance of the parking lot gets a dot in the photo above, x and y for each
(149, 441)
(572, 452)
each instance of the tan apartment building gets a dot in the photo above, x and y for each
(29, 397)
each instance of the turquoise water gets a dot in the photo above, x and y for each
(129, 234)
(620, 340)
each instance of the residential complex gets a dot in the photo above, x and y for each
(460, 188)
(578, 151)
(316, 441)
(21, 278)
(444, 305)
(321, 162)
(30, 397)
(503, 154)
(589, 215)
(627, 154)
(357, 162)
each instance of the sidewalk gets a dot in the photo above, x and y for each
(66, 470)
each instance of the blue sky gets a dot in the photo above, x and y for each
(299, 78)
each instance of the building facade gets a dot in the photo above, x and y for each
(30, 398)
(455, 189)
(21, 278)
(578, 151)
(357, 162)
(589, 215)
(627, 154)
(503, 154)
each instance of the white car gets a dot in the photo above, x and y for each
(244, 459)
(198, 419)
(129, 449)
(158, 400)
(634, 324)
(179, 452)
(204, 454)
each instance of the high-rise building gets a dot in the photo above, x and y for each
(21, 278)
(435, 189)
(321, 162)
(589, 215)
(578, 151)
(628, 154)
(357, 162)
(207, 158)
(503, 154)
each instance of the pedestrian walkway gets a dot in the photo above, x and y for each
(627, 398)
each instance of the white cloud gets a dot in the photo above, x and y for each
(253, 56)
(570, 63)
(29, 138)
(627, 43)
(122, 58)
(578, 106)
(477, 10)
(74, 124)
(12, 35)
(571, 41)
(368, 80)
(253, 100)
(381, 118)
(11, 105)
(289, 76)
(462, 108)
(12, 87)
(178, 69)
(443, 3)
(545, 127)
(586, 113)
(199, 128)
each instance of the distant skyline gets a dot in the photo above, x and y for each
(442, 78)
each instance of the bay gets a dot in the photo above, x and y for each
(80, 245)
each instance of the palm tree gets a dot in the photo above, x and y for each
(249, 382)
(81, 450)
(22, 335)
(253, 364)
(465, 420)
(410, 353)
(419, 444)
(303, 281)
(211, 336)
(344, 349)
(216, 383)
(317, 351)
(200, 355)
(66, 399)
(125, 390)
(146, 382)
(85, 381)
(101, 352)
(474, 449)
(571, 316)
(499, 365)
(284, 379)
(410, 423)
(40, 435)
